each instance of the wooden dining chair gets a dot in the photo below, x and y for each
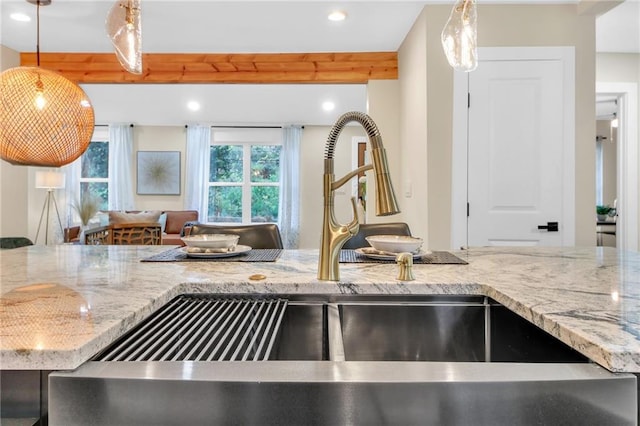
(146, 234)
(125, 234)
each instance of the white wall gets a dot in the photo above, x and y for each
(13, 179)
(160, 138)
(426, 82)
(412, 73)
(383, 106)
(618, 67)
(311, 173)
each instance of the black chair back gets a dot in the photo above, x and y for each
(367, 229)
(259, 236)
(14, 242)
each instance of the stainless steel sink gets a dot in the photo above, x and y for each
(428, 331)
(465, 330)
(303, 334)
(332, 360)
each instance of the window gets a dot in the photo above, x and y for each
(244, 176)
(94, 169)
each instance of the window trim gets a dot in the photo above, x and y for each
(245, 138)
(100, 134)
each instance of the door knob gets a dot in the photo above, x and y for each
(550, 226)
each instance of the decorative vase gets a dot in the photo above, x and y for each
(83, 228)
(602, 217)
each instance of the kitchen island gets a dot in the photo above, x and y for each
(63, 304)
(60, 306)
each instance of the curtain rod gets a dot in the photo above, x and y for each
(106, 125)
(244, 127)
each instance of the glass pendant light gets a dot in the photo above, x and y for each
(45, 119)
(124, 27)
(460, 36)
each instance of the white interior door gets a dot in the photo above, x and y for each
(516, 154)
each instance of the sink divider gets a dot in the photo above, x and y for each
(336, 344)
(487, 330)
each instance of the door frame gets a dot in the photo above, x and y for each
(627, 162)
(460, 160)
(355, 142)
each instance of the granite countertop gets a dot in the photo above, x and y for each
(60, 305)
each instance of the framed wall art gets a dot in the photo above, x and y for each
(158, 172)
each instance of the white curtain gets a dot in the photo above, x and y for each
(197, 170)
(289, 211)
(120, 167)
(71, 194)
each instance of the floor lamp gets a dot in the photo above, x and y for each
(49, 181)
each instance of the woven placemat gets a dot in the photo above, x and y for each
(254, 255)
(435, 257)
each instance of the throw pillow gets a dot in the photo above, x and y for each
(163, 221)
(142, 217)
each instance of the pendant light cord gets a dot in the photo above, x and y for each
(38, 33)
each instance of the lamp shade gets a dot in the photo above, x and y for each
(124, 27)
(50, 180)
(45, 119)
(460, 36)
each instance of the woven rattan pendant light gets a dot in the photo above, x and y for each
(45, 119)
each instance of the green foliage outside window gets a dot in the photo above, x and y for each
(225, 204)
(95, 165)
(226, 166)
(225, 163)
(264, 203)
(95, 161)
(265, 163)
(98, 191)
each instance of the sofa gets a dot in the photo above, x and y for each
(176, 220)
(172, 222)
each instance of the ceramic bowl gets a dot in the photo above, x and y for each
(217, 241)
(395, 243)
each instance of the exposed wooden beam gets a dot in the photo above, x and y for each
(259, 68)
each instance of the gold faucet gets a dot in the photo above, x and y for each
(334, 235)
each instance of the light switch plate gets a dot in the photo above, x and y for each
(408, 189)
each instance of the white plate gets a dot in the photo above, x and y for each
(389, 256)
(239, 250)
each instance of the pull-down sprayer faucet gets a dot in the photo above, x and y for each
(334, 235)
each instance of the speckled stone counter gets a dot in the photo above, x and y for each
(61, 305)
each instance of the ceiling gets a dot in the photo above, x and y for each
(247, 27)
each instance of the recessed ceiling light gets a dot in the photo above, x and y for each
(193, 105)
(328, 106)
(20, 17)
(337, 15)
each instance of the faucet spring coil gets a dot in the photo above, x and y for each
(367, 123)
